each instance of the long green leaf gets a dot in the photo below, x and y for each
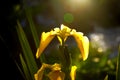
(32, 28)
(20, 69)
(106, 77)
(118, 66)
(25, 69)
(31, 24)
(27, 52)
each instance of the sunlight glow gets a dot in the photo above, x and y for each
(80, 1)
(79, 4)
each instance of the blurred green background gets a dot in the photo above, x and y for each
(97, 19)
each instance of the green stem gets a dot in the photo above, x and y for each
(65, 60)
(118, 66)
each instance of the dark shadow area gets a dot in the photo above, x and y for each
(9, 43)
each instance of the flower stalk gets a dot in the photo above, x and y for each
(65, 61)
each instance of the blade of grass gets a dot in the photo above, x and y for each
(25, 69)
(31, 24)
(33, 29)
(106, 77)
(27, 52)
(118, 66)
(20, 69)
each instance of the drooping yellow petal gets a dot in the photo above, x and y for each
(86, 47)
(73, 72)
(45, 40)
(83, 43)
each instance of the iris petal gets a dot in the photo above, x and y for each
(40, 72)
(59, 39)
(56, 75)
(86, 47)
(73, 72)
(45, 40)
(65, 28)
(83, 44)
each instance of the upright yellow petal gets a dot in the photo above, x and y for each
(83, 44)
(64, 28)
(45, 40)
(62, 33)
(73, 72)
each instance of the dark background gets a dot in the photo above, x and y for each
(9, 43)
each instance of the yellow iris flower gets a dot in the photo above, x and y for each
(62, 33)
(55, 73)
